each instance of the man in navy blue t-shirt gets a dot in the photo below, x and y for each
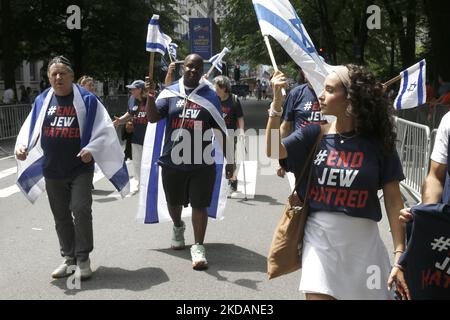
(188, 170)
(68, 172)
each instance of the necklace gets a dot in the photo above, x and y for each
(344, 137)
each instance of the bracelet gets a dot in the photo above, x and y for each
(396, 265)
(273, 113)
(399, 251)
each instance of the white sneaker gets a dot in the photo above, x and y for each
(61, 271)
(178, 236)
(134, 186)
(83, 270)
(198, 255)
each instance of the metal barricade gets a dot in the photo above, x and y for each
(11, 119)
(116, 105)
(13, 116)
(414, 150)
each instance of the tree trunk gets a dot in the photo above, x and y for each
(406, 35)
(327, 34)
(8, 46)
(437, 12)
(363, 32)
(77, 44)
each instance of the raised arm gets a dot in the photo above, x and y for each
(274, 148)
(152, 112)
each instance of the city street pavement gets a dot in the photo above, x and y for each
(134, 261)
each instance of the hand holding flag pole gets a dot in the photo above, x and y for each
(272, 58)
(172, 50)
(216, 61)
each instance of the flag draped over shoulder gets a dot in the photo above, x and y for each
(216, 60)
(279, 20)
(98, 136)
(157, 41)
(152, 207)
(413, 91)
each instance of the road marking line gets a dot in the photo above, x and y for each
(6, 158)
(251, 169)
(9, 191)
(6, 192)
(7, 172)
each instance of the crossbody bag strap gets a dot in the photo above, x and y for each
(309, 161)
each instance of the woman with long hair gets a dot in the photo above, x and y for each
(343, 254)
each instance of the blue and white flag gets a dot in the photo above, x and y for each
(216, 60)
(152, 207)
(172, 49)
(413, 91)
(279, 20)
(98, 136)
(157, 41)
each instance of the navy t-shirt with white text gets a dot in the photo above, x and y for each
(138, 110)
(346, 176)
(195, 122)
(302, 107)
(232, 111)
(60, 140)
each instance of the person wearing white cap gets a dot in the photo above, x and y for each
(135, 120)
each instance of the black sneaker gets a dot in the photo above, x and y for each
(233, 185)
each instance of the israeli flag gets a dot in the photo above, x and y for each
(279, 20)
(152, 207)
(216, 60)
(172, 49)
(412, 92)
(156, 40)
(98, 136)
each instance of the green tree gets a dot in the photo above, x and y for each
(340, 28)
(111, 42)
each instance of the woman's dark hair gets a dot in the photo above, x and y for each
(371, 108)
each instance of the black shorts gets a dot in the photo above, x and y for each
(184, 187)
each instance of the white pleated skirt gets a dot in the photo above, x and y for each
(344, 257)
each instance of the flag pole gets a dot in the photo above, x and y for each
(272, 58)
(151, 65)
(392, 81)
(209, 71)
(170, 57)
(243, 166)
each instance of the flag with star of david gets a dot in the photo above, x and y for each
(280, 20)
(412, 92)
